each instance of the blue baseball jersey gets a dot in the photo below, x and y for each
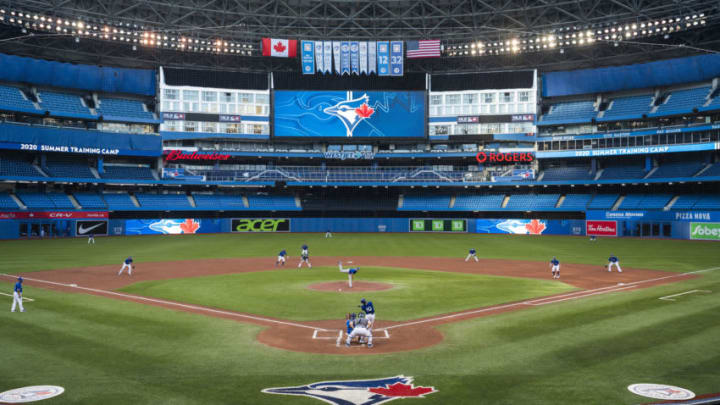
(353, 271)
(472, 251)
(368, 307)
(613, 259)
(282, 253)
(349, 326)
(128, 260)
(555, 262)
(304, 247)
(18, 287)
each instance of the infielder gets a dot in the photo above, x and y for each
(281, 258)
(350, 272)
(369, 309)
(613, 260)
(17, 296)
(360, 328)
(555, 266)
(304, 257)
(127, 264)
(472, 254)
(91, 238)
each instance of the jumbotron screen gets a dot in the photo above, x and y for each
(349, 114)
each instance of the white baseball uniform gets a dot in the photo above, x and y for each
(17, 301)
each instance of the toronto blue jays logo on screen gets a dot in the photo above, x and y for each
(350, 114)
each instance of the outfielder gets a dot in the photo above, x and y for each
(360, 328)
(328, 234)
(613, 260)
(304, 257)
(127, 264)
(350, 272)
(91, 238)
(17, 296)
(472, 254)
(555, 266)
(369, 309)
(281, 258)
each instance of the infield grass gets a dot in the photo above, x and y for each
(285, 294)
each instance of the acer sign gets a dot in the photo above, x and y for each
(174, 155)
(260, 225)
(601, 228)
(498, 157)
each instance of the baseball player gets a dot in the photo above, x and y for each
(328, 234)
(91, 238)
(304, 257)
(555, 266)
(349, 323)
(369, 309)
(613, 260)
(472, 254)
(17, 296)
(360, 328)
(127, 264)
(281, 258)
(350, 272)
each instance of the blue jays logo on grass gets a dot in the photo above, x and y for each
(351, 111)
(357, 392)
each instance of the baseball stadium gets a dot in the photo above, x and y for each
(356, 202)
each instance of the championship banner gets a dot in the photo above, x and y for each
(363, 57)
(345, 57)
(308, 57)
(327, 56)
(383, 58)
(319, 59)
(372, 59)
(85, 228)
(354, 58)
(396, 58)
(336, 56)
(260, 225)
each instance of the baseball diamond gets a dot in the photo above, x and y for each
(454, 202)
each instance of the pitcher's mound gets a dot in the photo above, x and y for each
(342, 286)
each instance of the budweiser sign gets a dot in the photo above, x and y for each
(496, 157)
(601, 228)
(181, 155)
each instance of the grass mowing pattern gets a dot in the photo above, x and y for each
(284, 293)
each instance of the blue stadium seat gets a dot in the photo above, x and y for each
(645, 201)
(64, 105)
(682, 101)
(622, 172)
(574, 112)
(685, 201)
(68, 168)
(118, 109)
(425, 202)
(632, 107)
(90, 200)
(576, 202)
(219, 202)
(567, 173)
(272, 203)
(532, 202)
(478, 202)
(14, 166)
(44, 201)
(127, 172)
(603, 201)
(119, 201)
(163, 202)
(713, 105)
(11, 99)
(677, 169)
(7, 203)
(708, 202)
(712, 171)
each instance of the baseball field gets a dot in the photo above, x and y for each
(209, 319)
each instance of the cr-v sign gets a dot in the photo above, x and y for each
(260, 225)
(705, 230)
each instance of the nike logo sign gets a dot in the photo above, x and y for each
(82, 229)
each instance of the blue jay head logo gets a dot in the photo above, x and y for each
(357, 392)
(351, 112)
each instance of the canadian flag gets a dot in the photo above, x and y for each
(283, 48)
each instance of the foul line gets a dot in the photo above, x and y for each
(337, 342)
(24, 299)
(170, 303)
(668, 297)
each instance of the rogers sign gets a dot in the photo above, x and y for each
(497, 157)
(601, 228)
(180, 155)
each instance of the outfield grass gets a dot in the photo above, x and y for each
(106, 351)
(284, 293)
(671, 255)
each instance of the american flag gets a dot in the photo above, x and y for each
(429, 48)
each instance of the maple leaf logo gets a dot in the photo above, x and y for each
(189, 226)
(535, 227)
(365, 111)
(402, 390)
(279, 47)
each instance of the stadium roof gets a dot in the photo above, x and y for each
(456, 23)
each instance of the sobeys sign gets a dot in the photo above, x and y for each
(705, 230)
(260, 225)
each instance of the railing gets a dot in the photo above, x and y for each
(338, 174)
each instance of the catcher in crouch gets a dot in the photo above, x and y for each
(359, 329)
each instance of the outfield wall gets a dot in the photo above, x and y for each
(676, 225)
